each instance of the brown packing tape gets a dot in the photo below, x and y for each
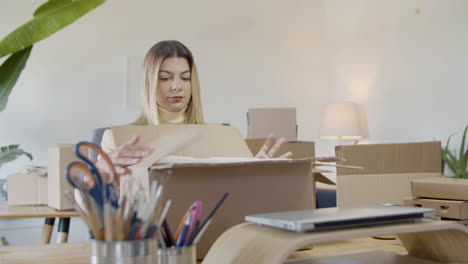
(391, 158)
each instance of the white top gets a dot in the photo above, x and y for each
(165, 117)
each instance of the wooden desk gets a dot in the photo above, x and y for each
(41, 211)
(429, 241)
(78, 253)
(32, 211)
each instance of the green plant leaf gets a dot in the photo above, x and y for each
(463, 160)
(451, 157)
(50, 7)
(12, 152)
(5, 148)
(10, 70)
(450, 160)
(49, 18)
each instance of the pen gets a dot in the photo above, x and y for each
(179, 228)
(208, 218)
(134, 230)
(196, 214)
(167, 229)
(151, 230)
(183, 233)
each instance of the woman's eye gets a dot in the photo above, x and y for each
(186, 78)
(164, 78)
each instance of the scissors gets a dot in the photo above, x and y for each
(80, 176)
(100, 185)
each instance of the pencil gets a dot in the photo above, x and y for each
(179, 228)
(195, 232)
(202, 231)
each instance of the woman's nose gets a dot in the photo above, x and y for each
(176, 85)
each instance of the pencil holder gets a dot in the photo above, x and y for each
(182, 255)
(123, 252)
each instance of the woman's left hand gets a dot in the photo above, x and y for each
(268, 151)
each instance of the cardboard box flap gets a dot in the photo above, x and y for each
(178, 161)
(391, 158)
(214, 140)
(299, 149)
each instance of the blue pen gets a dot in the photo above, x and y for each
(183, 234)
(134, 230)
(151, 230)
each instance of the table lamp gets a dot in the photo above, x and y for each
(341, 121)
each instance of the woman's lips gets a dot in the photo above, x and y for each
(176, 99)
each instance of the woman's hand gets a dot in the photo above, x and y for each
(268, 152)
(125, 155)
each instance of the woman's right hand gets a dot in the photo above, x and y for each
(125, 155)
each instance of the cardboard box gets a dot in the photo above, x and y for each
(58, 159)
(444, 208)
(253, 186)
(279, 121)
(388, 171)
(28, 187)
(441, 187)
(300, 149)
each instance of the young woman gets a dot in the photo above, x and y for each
(170, 95)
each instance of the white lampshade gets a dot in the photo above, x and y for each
(341, 121)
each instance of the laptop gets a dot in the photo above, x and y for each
(335, 217)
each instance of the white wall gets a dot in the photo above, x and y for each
(406, 70)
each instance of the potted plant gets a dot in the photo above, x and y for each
(47, 19)
(457, 162)
(12, 152)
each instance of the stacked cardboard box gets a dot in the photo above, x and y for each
(278, 121)
(388, 171)
(448, 196)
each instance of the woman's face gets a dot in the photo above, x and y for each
(174, 86)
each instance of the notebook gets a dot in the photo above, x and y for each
(335, 218)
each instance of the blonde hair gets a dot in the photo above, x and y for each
(149, 83)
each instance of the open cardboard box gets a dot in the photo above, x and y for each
(299, 149)
(388, 171)
(253, 186)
